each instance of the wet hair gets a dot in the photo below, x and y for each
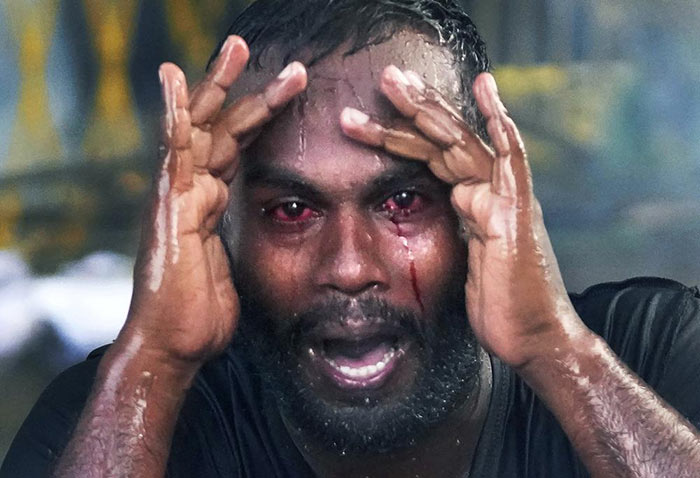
(319, 27)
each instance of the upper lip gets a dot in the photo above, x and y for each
(354, 330)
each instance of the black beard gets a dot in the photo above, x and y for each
(447, 379)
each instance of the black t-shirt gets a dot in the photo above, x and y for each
(228, 428)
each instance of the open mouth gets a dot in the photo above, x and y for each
(360, 361)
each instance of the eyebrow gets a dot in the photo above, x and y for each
(397, 176)
(261, 173)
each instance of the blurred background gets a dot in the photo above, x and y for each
(607, 94)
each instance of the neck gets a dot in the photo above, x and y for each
(446, 450)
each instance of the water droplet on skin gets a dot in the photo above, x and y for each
(157, 260)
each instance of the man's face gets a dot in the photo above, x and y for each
(349, 262)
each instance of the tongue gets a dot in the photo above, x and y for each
(357, 355)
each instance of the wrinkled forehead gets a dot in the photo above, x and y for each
(360, 71)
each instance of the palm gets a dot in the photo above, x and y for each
(508, 290)
(185, 304)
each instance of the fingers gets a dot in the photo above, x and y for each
(511, 175)
(472, 203)
(253, 111)
(209, 96)
(240, 121)
(452, 164)
(454, 152)
(488, 214)
(400, 140)
(177, 157)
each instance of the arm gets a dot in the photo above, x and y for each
(619, 425)
(516, 301)
(184, 307)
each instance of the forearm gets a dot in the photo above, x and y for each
(617, 424)
(128, 421)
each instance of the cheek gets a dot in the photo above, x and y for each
(429, 264)
(279, 276)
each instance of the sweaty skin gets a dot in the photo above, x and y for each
(351, 245)
(185, 309)
(516, 300)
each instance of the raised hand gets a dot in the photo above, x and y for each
(185, 306)
(516, 301)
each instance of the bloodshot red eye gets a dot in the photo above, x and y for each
(404, 202)
(292, 211)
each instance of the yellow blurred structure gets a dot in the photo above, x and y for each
(79, 104)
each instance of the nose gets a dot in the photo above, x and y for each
(350, 259)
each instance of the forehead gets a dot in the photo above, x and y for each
(306, 137)
(407, 49)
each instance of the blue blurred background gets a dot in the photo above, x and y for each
(607, 94)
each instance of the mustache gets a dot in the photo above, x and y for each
(371, 309)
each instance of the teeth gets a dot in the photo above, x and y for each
(367, 370)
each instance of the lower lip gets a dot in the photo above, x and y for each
(366, 382)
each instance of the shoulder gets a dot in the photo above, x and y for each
(648, 308)
(631, 293)
(49, 425)
(653, 325)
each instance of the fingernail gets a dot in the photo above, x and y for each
(228, 44)
(397, 75)
(225, 52)
(223, 59)
(287, 72)
(415, 80)
(351, 115)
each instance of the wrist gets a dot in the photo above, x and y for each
(558, 354)
(132, 358)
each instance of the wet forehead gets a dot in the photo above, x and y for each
(306, 138)
(406, 49)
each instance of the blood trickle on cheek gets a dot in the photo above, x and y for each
(412, 262)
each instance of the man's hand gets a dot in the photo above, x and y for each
(185, 306)
(516, 301)
(184, 309)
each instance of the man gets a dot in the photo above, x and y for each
(348, 189)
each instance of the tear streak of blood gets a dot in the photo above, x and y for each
(412, 267)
